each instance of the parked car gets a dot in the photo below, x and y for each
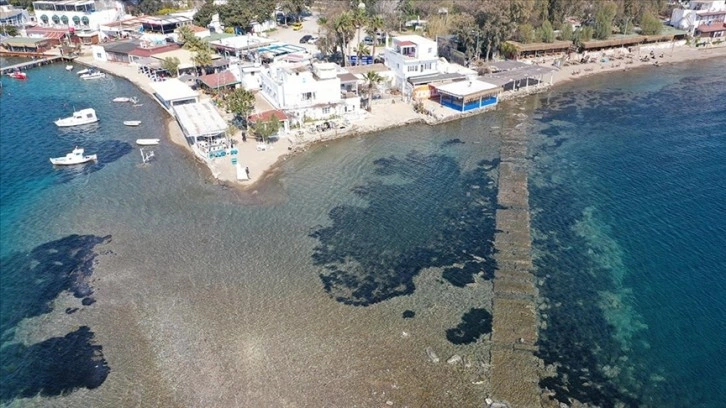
(305, 39)
(368, 40)
(297, 26)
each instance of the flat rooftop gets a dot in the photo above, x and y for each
(200, 119)
(465, 88)
(173, 89)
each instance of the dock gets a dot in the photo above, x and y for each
(44, 60)
(515, 366)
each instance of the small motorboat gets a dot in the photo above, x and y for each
(132, 122)
(69, 67)
(147, 142)
(122, 99)
(74, 157)
(18, 75)
(83, 71)
(81, 117)
(93, 75)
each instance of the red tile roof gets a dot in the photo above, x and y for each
(219, 79)
(406, 43)
(147, 52)
(265, 116)
(704, 28)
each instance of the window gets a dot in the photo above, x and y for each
(306, 96)
(76, 21)
(427, 66)
(326, 110)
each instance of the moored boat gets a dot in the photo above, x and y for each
(147, 142)
(93, 75)
(74, 157)
(18, 75)
(69, 67)
(132, 122)
(81, 117)
(83, 71)
(122, 99)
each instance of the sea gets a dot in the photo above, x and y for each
(359, 273)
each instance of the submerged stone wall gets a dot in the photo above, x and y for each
(515, 368)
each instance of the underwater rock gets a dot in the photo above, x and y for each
(432, 355)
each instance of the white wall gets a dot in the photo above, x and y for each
(293, 90)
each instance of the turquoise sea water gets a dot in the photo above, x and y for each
(630, 200)
(126, 284)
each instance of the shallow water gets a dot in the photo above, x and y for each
(292, 295)
(327, 285)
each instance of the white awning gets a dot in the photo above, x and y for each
(173, 90)
(200, 119)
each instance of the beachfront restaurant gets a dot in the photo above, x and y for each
(204, 129)
(173, 92)
(26, 44)
(465, 96)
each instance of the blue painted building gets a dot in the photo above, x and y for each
(465, 96)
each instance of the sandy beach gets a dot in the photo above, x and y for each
(262, 163)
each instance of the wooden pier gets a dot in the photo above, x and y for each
(515, 366)
(43, 60)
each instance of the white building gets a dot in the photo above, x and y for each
(305, 93)
(699, 12)
(410, 56)
(80, 14)
(11, 15)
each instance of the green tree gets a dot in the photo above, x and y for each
(10, 30)
(547, 32)
(375, 26)
(204, 15)
(171, 65)
(604, 16)
(240, 102)
(372, 79)
(265, 129)
(295, 7)
(566, 33)
(203, 59)
(526, 33)
(650, 25)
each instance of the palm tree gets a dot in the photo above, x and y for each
(344, 29)
(361, 50)
(372, 79)
(359, 19)
(203, 58)
(375, 25)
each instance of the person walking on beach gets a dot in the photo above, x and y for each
(247, 170)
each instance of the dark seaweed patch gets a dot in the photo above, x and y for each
(53, 367)
(409, 314)
(474, 323)
(437, 217)
(32, 280)
(463, 276)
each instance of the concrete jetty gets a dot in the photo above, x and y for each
(515, 368)
(33, 63)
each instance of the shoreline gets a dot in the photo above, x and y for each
(386, 116)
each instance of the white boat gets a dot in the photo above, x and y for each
(93, 75)
(81, 117)
(69, 67)
(147, 142)
(83, 71)
(74, 157)
(132, 122)
(126, 99)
